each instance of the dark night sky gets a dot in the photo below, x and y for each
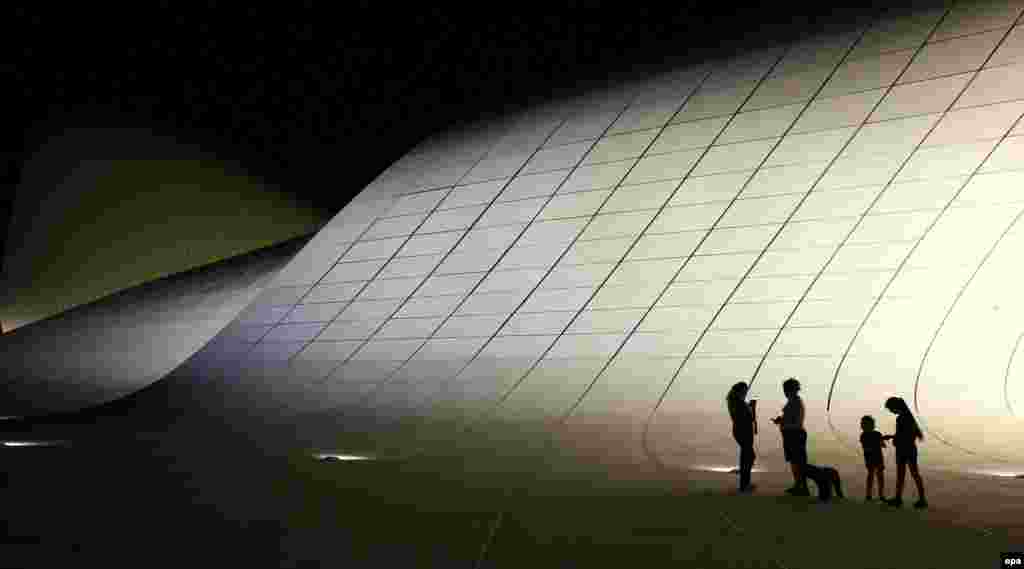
(309, 98)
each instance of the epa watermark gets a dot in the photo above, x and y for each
(1013, 559)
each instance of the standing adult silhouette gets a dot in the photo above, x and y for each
(744, 427)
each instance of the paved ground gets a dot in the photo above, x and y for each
(150, 503)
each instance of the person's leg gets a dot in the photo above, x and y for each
(869, 481)
(746, 463)
(901, 474)
(837, 483)
(880, 474)
(921, 502)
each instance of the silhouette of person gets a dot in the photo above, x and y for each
(794, 437)
(744, 427)
(905, 442)
(872, 443)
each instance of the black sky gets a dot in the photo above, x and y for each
(318, 99)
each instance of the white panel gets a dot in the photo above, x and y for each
(740, 239)
(596, 177)
(994, 85)
(920, 194)
(733, 157)
(870, 257)
(738, 316)
(490, 238)
(620, 146)
(812, 341)
(1008, 155)
(735, 342)
(932, 96)
(892, 227)
(707, 267)
(832, 313)
(390, 288)
(429, 306)
(378, 249)
(574, 205)
(766, 289)
(790, 87)
(557, 299)
(538, 323)
(790, 179)
(557, 157)
(976, 123)
(641, 117)
(512, 212)
(898, 136)
(589, 125)
(868, 73)
(394, 226)
(625, 296)
(597, 251)
(282, 295)
(708, 293)
(449, 284)
(350, 330)
(675, 219)
(835, 204)
(452, 351)
(812, 147)
(801, 262)
(492, 303)
(861, 171)
(645, 196)
(688, 135)
(663, 167)
(387, 350)
(327, 351)
(677, 343)
(318, 312)
(451, 219)
(577, 275)
(607, 321)
(369, 309)
(644, 272)
(952, 56)
(417, 203)
(517, 347)
(410, 266)
(773, 209)
(409, 328)
(511, 280)
(473, 194)
(715, 187)
(707, 103)
(549, 232)
(531, 186)
(525, 256)
(434, 243)
(585, 346)
(1003, 187)
(767, 123)
(665, 246)
(360, 271)
(680, 318)
(470, 261)
(327, 292)
(945, 161)
(497, 166)
(617, 225)
(459, 326)
(835, 112)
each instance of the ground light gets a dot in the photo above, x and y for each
(335, 457)
(34, 443)
(724, 469)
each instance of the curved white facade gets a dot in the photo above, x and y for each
(844, 210)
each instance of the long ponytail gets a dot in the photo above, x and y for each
(900, 406)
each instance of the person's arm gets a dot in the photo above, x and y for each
(753, 413)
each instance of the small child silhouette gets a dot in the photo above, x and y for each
(872, 443)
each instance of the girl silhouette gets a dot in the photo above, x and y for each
(905, 441)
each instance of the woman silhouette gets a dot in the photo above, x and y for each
(744, 427)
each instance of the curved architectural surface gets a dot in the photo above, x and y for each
(99, 210)
(843, 210)
(119, 344)
(593, 274)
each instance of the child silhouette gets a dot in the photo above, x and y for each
(905, 441)
(872, 443)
